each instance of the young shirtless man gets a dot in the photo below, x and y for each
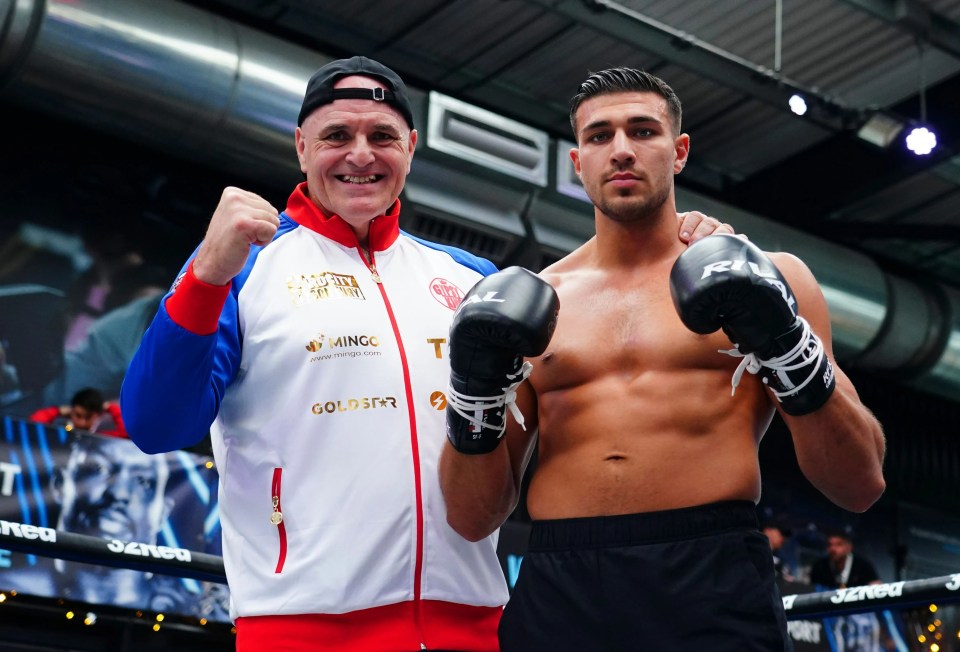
(644, 531)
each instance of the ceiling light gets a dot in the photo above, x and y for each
(797, 104)
(921, 141)
(880, 130)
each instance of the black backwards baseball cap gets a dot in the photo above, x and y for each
(320, 89)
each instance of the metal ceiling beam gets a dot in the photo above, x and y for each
(916, 18)
(707, 60)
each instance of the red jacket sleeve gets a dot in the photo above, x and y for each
(113, 409)
(46, 415)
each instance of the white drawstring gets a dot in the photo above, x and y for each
(786, 362)
(466, 406)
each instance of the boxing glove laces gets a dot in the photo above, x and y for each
(724, 282)
(505, 317)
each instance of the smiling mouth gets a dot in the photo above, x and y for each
(370, 178)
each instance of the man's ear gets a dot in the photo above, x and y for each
(575, 157)
(412, 147)
(300, 145)
(682, 149)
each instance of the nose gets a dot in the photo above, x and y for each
(621, 153)
(361, 152)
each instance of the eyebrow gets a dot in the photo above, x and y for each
(599, 124)
(339, 126)
(387, 127)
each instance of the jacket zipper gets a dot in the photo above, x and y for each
(276, 517)
(414, 444)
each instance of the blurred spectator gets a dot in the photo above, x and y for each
(87, 411)
(777, 532)
(87, 296)
(101, 359)
(840, 568)
(137, 281)
(109, 285)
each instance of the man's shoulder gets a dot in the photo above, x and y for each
(823, 561)
(821, 565)
(863, 564)
(459, 256)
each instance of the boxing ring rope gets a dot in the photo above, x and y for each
(179, 562)
(874, 597)
(47, 542)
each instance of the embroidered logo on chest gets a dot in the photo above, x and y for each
(446, 293)
(326, 285)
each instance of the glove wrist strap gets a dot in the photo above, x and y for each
(802, 379)
(483, 421)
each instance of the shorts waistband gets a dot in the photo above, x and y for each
(646, 527)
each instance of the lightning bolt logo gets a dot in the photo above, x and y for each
(438, 400)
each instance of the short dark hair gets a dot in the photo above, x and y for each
(841, 532)
(625, 80)
(777, 524)
(89, 399)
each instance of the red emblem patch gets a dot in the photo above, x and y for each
(446, 293)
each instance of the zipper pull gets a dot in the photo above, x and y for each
(372, 266)
(276, 517)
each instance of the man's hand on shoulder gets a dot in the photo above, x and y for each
(694, 225)
(241, 219)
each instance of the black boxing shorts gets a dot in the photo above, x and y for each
(683, 580)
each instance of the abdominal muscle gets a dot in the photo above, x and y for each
(626, 442)
(634, 410)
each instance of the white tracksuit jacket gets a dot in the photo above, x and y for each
(324, 379)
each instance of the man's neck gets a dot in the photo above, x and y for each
(644, 241)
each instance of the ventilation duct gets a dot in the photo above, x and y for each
(485, 138)
(568, 183)
(438, 226)
(163, 74)
(195, 85)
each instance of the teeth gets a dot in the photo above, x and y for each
(367, 179)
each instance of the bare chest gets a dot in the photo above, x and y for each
(625, 328)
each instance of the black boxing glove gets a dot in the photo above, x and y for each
(505, 317)
(725, 282)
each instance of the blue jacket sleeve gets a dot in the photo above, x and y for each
(176, 380)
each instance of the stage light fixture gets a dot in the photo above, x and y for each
(797, 104)
(921, 141)
(880, 129)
